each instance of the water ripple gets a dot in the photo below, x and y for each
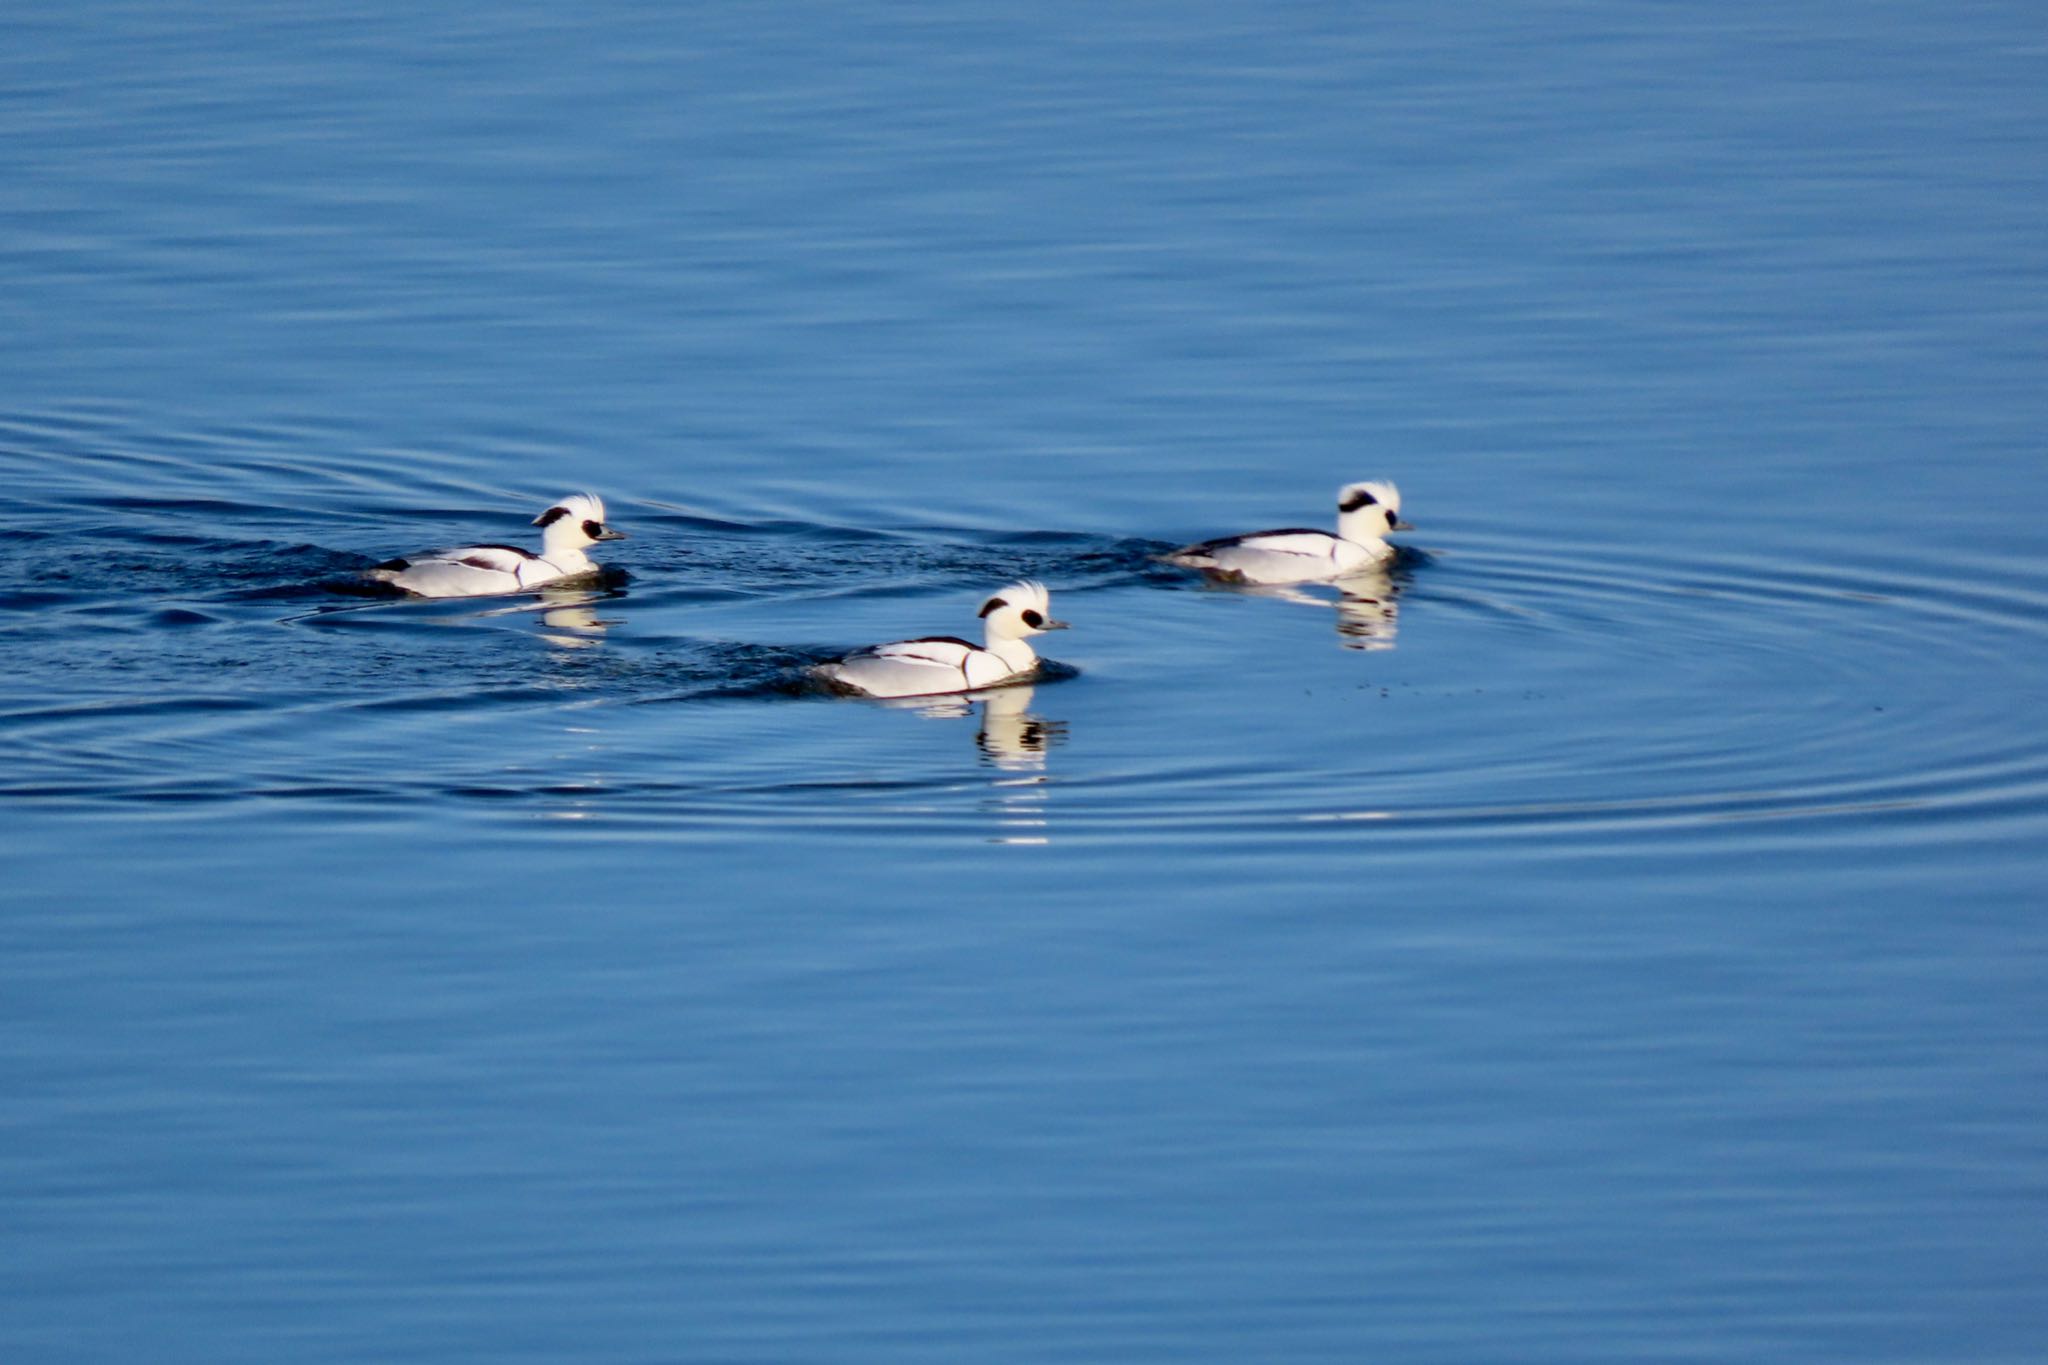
(176, 638)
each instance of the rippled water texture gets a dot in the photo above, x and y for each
(1611, 934)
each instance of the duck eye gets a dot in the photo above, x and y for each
(1391, 518)
(593, 529)
(1033, 619)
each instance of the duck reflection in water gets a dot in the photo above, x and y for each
(1011, 736)
(568, 616)
(1367, 605)
(1014, 740)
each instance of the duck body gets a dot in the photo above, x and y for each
(938, 664)
(922, 668)
(567, 528)
(475, 571)
(1288, 556)
(1365, 513)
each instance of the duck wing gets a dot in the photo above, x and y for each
(499, 558)
(1293, 540)
(937, 651)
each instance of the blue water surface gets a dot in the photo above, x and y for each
(1613, 935)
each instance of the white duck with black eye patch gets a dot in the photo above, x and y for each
(569, 526)
(945, 663)
(1366, 512)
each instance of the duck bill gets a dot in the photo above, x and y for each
(609, 534)
(1057, 625)
(1402, 526)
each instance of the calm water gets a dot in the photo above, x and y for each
(1620, 939)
